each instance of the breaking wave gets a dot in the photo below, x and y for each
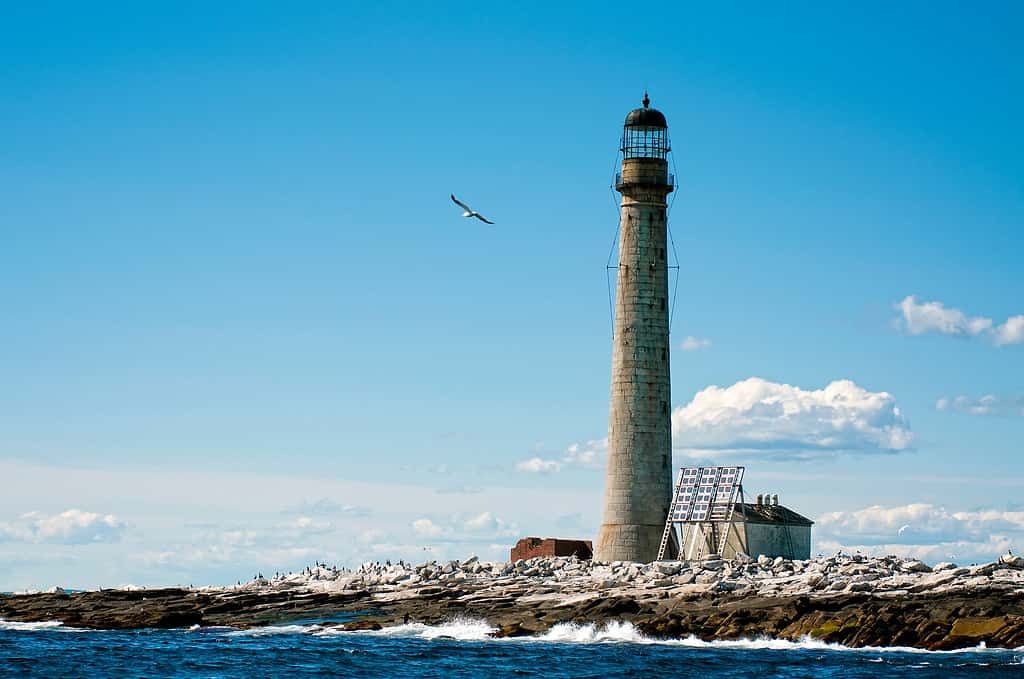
(469, 629)
(625, 632)
(460, 629)
(612, 632)
(268, 631)
(622, 632)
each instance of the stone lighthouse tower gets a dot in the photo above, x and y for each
(638, 480)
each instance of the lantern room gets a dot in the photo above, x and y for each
(645, 133)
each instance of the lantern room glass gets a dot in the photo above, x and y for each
(642, 141)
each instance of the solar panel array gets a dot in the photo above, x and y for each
(705, 494)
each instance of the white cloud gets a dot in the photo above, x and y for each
(985, 405)
(1010, 332)
(306, 525)
(70, 527)
(756, 416)
(538, 465)
(588, 454)
(692, 343)
(480, 521)
(460, 529)
(918, 318)
(923, 531)
(426, 528)
(370, 536)
(493, 526)
(325, 506)
(578, 455)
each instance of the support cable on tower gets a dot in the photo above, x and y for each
(675, 254)
(611, 251)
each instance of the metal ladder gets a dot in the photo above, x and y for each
(667, 533)
(703, 541)
(728, 525)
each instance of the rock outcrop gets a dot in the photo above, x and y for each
(852, 600)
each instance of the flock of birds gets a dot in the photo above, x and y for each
(470, 212)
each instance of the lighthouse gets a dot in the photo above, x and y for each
(638, 478)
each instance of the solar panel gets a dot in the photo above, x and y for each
(705, 493)
(702, 495)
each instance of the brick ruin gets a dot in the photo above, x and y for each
(529, 548)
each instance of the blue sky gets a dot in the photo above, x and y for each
(244, 327)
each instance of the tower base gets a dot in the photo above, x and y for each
(629, 542)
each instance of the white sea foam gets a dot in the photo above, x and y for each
(469, 629)
(273, 630)
(626, 632)
(211, 629)
(806, 643)
(612, 632)
(29, 626)
(460, 629)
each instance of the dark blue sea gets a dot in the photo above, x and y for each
(459, 649)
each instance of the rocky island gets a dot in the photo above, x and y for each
(852, 600)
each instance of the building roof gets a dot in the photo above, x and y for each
(771, 514)
(646, 116)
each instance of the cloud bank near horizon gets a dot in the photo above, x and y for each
(921, 530)
(70, 527)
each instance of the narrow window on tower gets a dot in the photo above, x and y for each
(661, 253)
(661, 303)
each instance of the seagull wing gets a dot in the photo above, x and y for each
(461, 204)
(482, 218)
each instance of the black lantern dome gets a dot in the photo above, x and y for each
(645, 133)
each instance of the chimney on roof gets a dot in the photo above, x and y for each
(775, 499)
(760, 499)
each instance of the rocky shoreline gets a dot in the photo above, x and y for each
(852, 600)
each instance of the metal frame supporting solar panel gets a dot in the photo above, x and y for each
(703, 496)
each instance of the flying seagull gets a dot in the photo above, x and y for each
(470, 212)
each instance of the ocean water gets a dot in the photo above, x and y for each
(458, 649)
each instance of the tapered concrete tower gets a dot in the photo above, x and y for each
(638, 481)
